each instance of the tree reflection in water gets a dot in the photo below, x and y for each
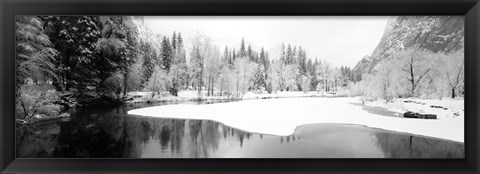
(110, 133)
(408, 146)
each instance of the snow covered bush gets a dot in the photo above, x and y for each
(158, 82)
(113, 84)
(37, 101)
(319, 88)
(305, 83)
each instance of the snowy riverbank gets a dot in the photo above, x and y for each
(444, 109)
(143, 97)
(283, 116)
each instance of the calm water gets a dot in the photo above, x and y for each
(109, 132)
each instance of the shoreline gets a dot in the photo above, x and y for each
(140, 97)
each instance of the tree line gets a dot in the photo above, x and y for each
(239, 70)
(415, 72)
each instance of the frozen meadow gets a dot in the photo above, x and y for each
(282, 116)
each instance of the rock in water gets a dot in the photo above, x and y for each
(410, 114)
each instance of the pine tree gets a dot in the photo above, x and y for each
(226, 56)
(180, 49)
(149, 60)
(293, 59)
(283, 56)
(76, 38)
(250, 54)
(243, 51)
(262, 58)
(315, 78)
(166, 54)
(266, 61)
(129, 76)
(259, 78)
(302, 64)
(179, 38)
(174, 42)
(181, 63)
(289, 55)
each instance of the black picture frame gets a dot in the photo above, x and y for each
(9, 8)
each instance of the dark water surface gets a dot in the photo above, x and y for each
(108, 132)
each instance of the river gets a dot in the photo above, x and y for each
(108, 132)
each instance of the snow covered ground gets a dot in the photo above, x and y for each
(282, 116)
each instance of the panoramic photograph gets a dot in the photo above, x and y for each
(240, 87)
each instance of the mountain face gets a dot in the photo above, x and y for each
(145, 34)
(433, 33)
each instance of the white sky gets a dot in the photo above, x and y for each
(338, 40)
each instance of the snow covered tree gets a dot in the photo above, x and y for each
(324, 72)
(259, 84)
(176, 74)
(159, 82)
(226, 56)
(335, 79)
(35, 57)
(416, 64)
(166, 54)
(454, 69)
(174, 43)
(384, 84)
(212, 64)
(287, 75)
(201, 49)
(313, 73)
(293, 59)
(283, 55)
(244, 73)
(242, 52)
(35, 67)
(305, 83)
(119, 44)
(250, 54)
(234, 55)
(136, 77)
(36, 101)
(226, 81)
(149, 55)
(272, 77)
(75, 37)
(289, 55)
(180, 63)
(346, 75)
(302, 61)
(263, 59)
